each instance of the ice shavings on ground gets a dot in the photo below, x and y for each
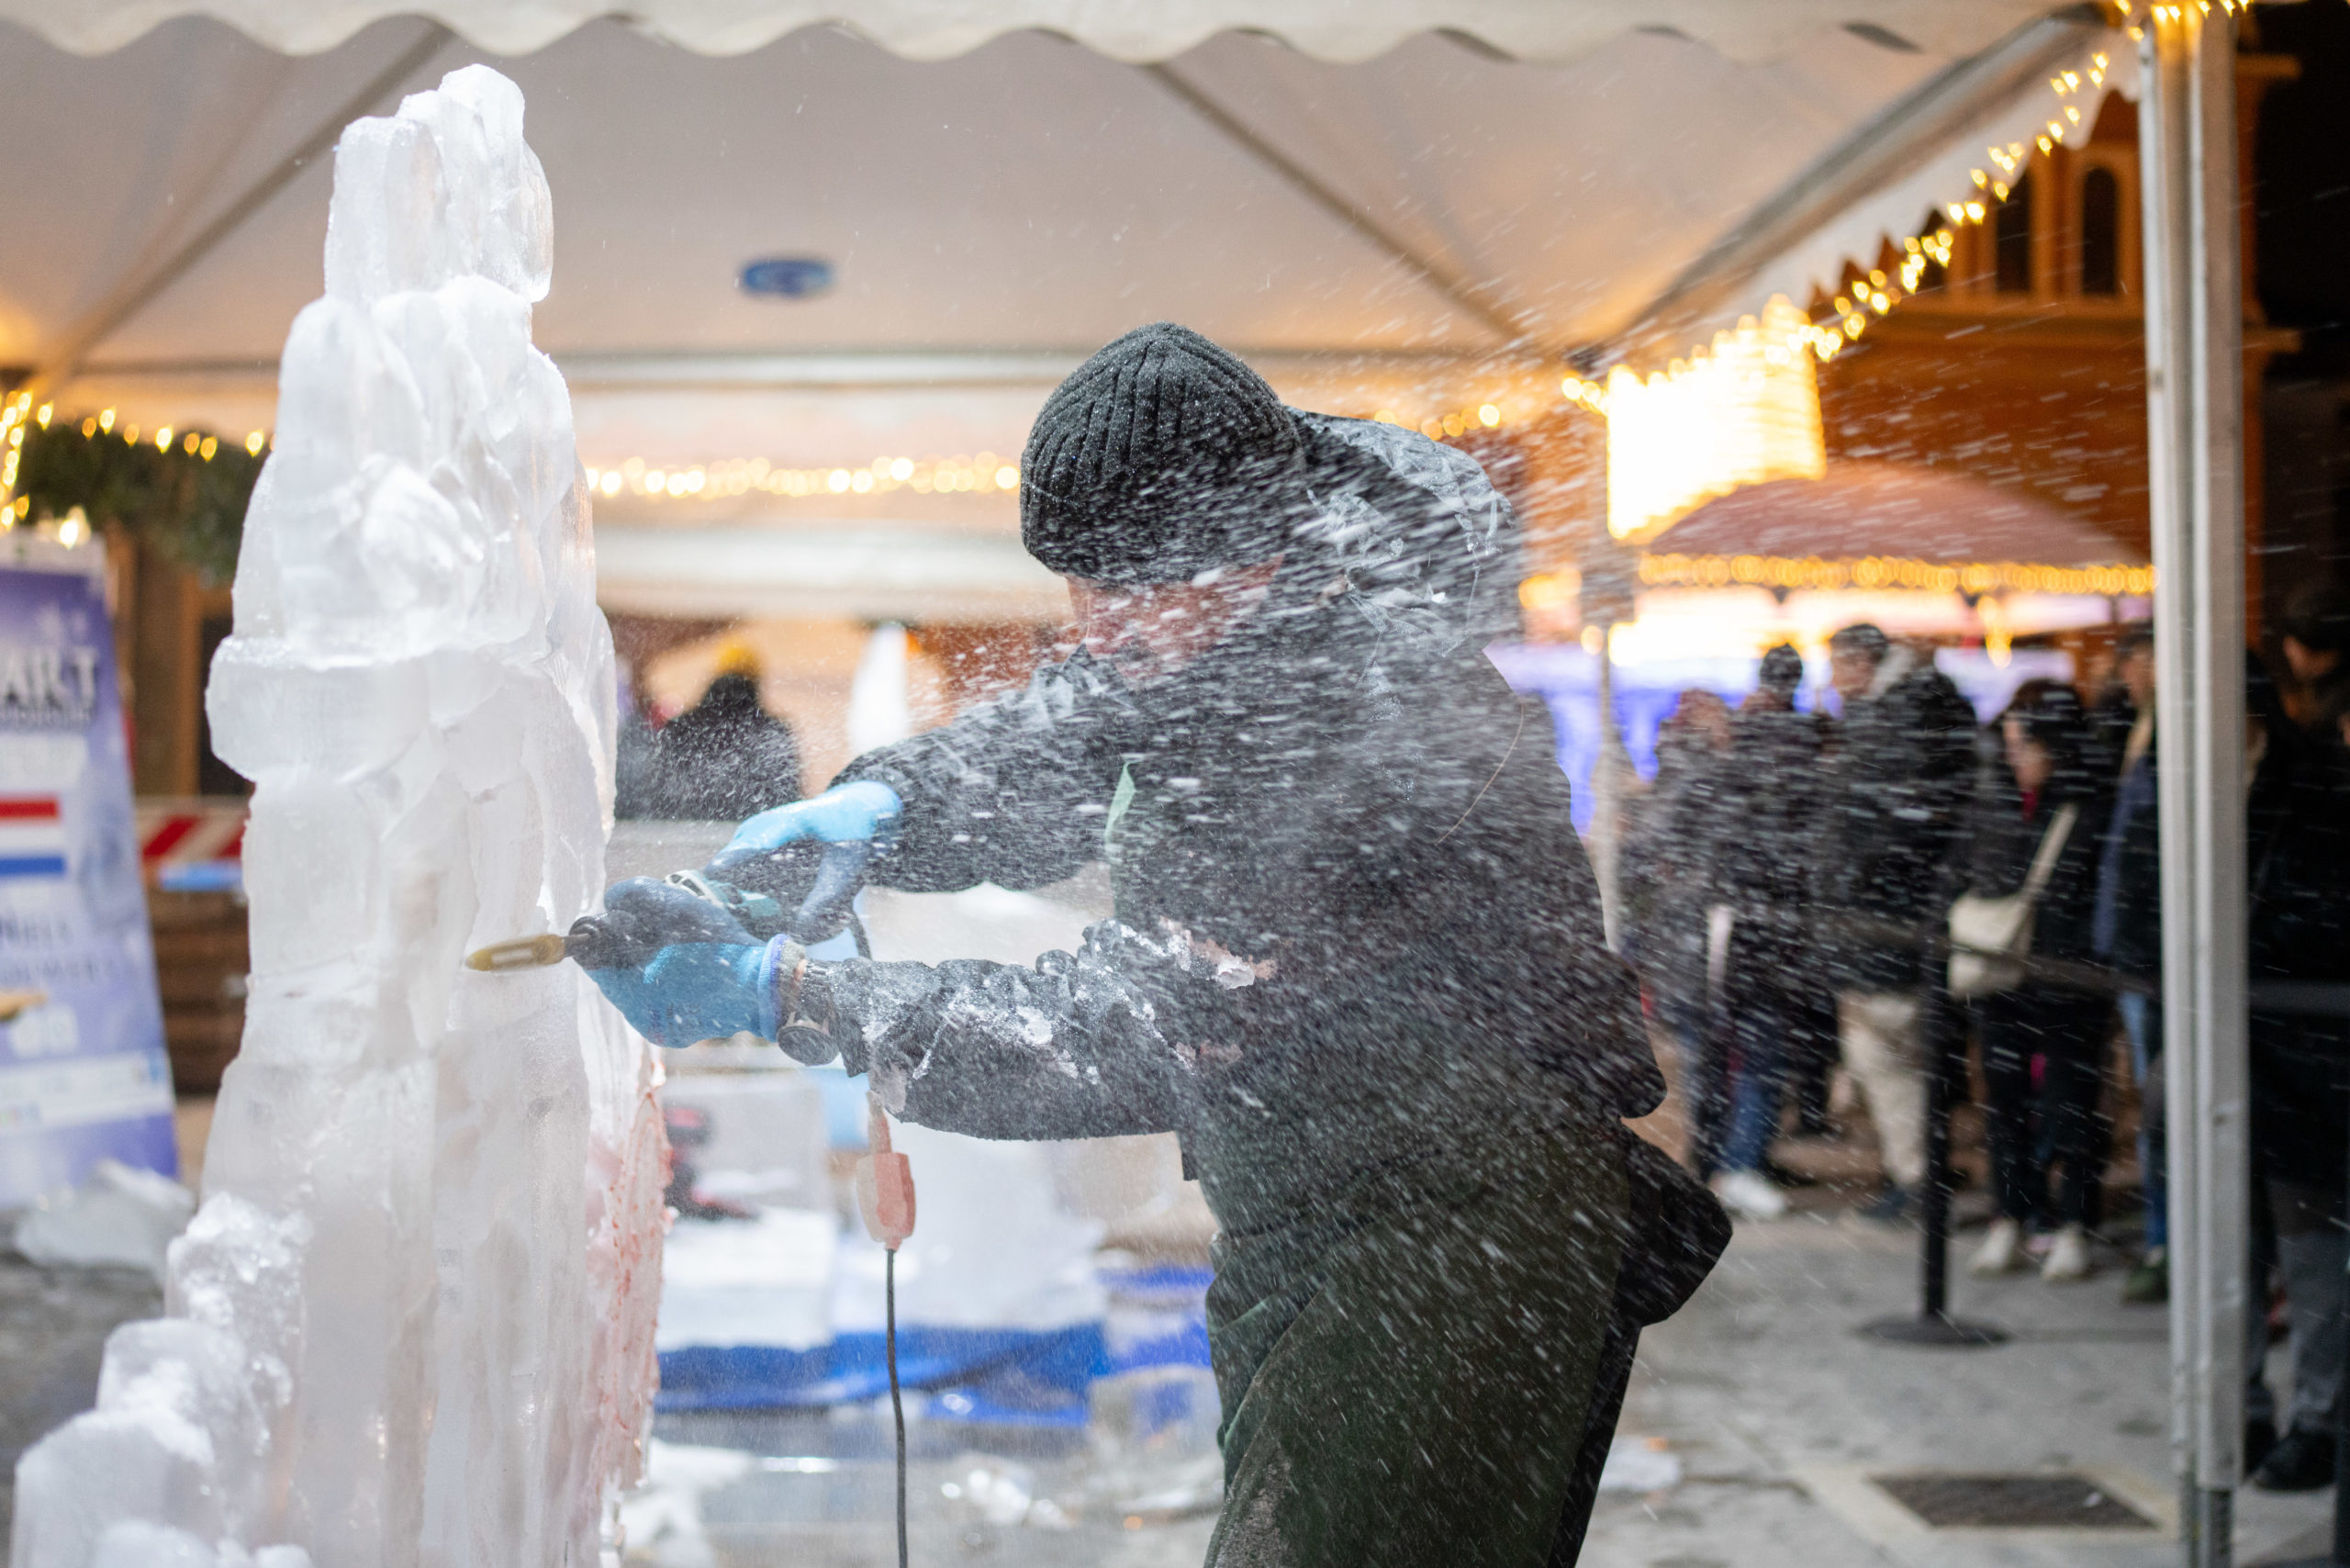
(121, 1215)
(413, 1320)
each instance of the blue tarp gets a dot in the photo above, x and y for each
(853, 1368)
(996, 1376)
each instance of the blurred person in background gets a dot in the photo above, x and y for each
(2297, 843)
(1900, 770)
(2314, 636)
(1664, 876)
(2036, 813)
(2127, 934)
(724, 758)
(1760, 823)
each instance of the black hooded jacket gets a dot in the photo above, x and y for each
(1666, 872)
(1900, 774)
(2298, 885)
(723, 759)
(1348, 897)
(1764, 820)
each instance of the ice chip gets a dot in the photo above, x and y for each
(145, 1462)
(121, 1217)
(239, 1267)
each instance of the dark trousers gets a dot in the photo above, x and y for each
(1704, 1076)
(2312, 1252)
(2056, 1122)
(1764, 1030)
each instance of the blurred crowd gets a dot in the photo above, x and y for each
(1862, 882)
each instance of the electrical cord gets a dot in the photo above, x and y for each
(897, 1400)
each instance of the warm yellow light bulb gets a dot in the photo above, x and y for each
(1489, 414)
(254, 443)
(105, 420)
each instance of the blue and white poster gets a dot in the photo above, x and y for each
(83, 1071)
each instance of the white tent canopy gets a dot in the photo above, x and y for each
(1546, 31)
(1372, 200)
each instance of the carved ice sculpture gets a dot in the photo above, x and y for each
(413, 1320)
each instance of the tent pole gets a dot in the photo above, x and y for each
(2195, 401)
(1611, 775)
(2162, 213)
(2223, 1167)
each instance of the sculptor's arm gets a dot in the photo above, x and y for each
(1013, 792)
(1073, 1047)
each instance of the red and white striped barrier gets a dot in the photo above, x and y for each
(191, 845)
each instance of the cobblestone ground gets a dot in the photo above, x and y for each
(1777, 1410)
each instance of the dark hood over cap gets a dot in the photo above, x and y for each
(1159, 458)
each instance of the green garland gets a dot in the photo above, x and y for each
(190, 507)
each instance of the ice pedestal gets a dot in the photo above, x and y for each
(413, 1319)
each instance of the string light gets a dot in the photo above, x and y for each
(1856, 306)
(1744, 412)
(13, 416)
(984, 473)
(1892, 572)
(1458, 423)
(17, 414)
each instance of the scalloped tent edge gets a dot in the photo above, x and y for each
(1539, 31)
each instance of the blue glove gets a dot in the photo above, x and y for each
(677, 967)
(694, 990)
(867, 809)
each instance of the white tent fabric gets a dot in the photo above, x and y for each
(1540, 30)
(1429, 230)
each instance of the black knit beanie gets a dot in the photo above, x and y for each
(1161, 458)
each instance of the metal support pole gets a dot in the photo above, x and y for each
(1944, 1029)
(2195, 428)
(1611, 773)
(1933, 1269)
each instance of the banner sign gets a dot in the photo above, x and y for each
(83, 1071)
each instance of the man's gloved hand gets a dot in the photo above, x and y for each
(829, 841)
(682, 969)
(692, 990)
(863, 812)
